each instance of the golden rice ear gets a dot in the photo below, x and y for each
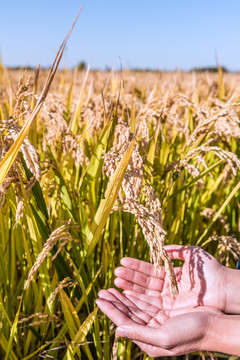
(9, 158)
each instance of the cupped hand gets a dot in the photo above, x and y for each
(201, 281)
(153, 331)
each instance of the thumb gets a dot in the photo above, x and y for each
(179, 252)
(143, 333)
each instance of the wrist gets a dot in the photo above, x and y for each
(231, 288)
(224, 334)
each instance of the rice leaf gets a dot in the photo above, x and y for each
(219, 212)
(70, 314)
(81, 335)
(96, 160)
(87, 291)
(76, 116)
(4, 343)
(84, 329)
(200, 176)
(37, 191)
(151, 153)
(13, 332)
(107, 203)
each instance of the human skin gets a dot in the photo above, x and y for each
(202, 328)
(202, 281)
(192, 320)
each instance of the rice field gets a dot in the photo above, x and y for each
(115, 164)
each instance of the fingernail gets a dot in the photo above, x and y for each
(116, 271)
(122, 332)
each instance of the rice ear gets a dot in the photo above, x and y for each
(10, 156)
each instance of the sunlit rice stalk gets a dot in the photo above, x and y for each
(110, 189)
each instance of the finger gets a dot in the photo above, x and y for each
(153, 351)
(179, 252)
(127, 310)
(117, 316)
(146, 334)
(120, 319)
(159, 309)
(143, 306)
(132, 306)
(172, 335)
(178, 272)
(127, 285)
(151, 300)
(139, 278)
(158, 314)
(139, 265)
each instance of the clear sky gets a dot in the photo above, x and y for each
(157, 34)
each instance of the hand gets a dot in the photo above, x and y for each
(155, 333)
(201, 281)
(164, 326)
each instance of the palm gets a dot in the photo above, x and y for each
(151, 329)
(153, 318)
(197, 281)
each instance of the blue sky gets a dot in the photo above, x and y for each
(157, 34)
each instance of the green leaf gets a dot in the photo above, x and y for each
(200, 176)
(83, 331)
(13, 332)
(37, 191)
(107, 203)
(95, 161)
(219, 212)
(151, 153)
(70, 314)
(77, 112)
